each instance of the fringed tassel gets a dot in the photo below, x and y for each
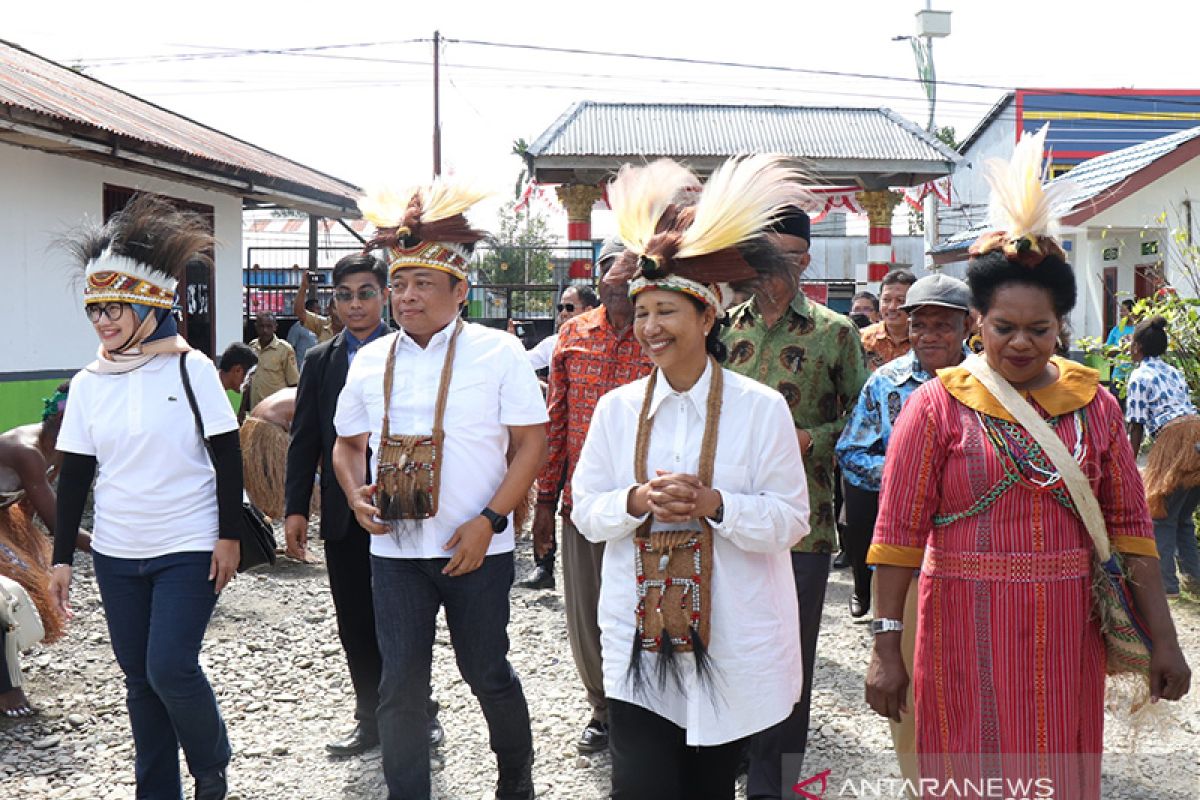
(666, 667)
(635, 674)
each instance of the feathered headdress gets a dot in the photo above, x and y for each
(1023, 212)
(140, 254)
(694, 248)
(424, 227)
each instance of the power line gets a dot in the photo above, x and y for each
(771, 68)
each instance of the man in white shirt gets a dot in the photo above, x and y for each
(574, 301)
(460, 557)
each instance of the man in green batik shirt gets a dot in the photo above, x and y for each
(814, 358)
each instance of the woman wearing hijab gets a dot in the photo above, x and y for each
(167, 515)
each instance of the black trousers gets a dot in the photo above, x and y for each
(862, 507)
(789, 738)
(651, 759)
(349, 562)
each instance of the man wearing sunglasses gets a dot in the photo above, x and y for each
(574, 301)
(360, 292)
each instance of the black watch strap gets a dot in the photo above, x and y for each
(499, 521)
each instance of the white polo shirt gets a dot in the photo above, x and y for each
(155, 492)
(492, 387)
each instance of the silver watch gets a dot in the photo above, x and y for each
(879, 626)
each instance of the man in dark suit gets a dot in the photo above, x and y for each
(360, 292)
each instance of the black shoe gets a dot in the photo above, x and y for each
(594, 738)
(212, 786)
(538, 578)
(360, 741)
(841, 560)
(516, 781)
(859, 607)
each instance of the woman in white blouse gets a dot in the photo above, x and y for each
(678, 720)
(167, 513)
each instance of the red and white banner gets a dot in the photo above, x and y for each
(941, 189)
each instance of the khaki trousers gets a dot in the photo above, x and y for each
(581, 563)
(904, 732)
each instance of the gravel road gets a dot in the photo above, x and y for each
(273, 657)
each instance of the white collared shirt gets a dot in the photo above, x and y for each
(492, 387)
(754, 639)
(540, 354)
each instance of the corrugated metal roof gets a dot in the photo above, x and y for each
(1093, 178)
(35, 84)
(685, 129)
(1099, 174)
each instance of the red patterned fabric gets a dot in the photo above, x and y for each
(590, 360)
(1008, 658)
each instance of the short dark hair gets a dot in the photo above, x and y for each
(238, 354)
(360, 262)
(1151, 336)
(587, 296)
(865, 295)
(1127, 304)
(991, 271)
(898, 276)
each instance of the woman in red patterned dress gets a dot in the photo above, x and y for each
(1009, 670)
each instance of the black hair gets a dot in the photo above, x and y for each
(900, 276)
(713, 344)
(1127, 304)
(237, 354)
(865, 295)
(360, 262)
(1151, 336)
(992, 271)
(312, 304)
(587, 296)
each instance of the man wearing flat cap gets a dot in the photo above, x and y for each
(814, 358)
(939, 320)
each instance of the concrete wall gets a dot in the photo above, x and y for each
(46, 335)
(971, 190)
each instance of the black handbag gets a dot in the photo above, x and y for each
(257, 535)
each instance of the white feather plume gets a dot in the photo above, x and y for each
(1021, 204)
(384, 207)
(639, 196)
(743, 196)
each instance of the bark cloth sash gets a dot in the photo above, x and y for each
(673, 567)
(410, 465)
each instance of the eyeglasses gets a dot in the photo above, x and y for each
(111, 310)
(566, 306)
(364, 294)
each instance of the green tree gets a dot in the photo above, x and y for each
(521, 254)
(1179, 305)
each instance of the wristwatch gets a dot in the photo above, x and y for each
(499, 521)
(879, 626)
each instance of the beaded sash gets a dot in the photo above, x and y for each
(410, 465)
(673, 568)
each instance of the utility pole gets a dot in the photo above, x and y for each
(437, 105)
(930, 25)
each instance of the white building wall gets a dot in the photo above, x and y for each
(970, 188)
(42, 196)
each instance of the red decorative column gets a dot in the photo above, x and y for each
(578, 199)
(879, 205)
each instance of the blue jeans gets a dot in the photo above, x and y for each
(1176, 538)
(408, 593)
(157, 611)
